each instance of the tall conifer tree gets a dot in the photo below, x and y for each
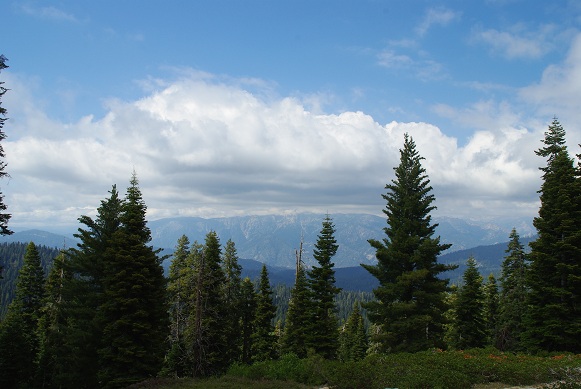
(54, 346)
(554, 278)
(470, 325)
(513, 295)
(296, 338)
(409, 305)
(353, 338)
(206, 332)
(247, 317)
(324, 331)
(263, 338)
(491, 310)
(84, 291)
(232, 302)
(179, 292)
(18, 332)
(134, 311)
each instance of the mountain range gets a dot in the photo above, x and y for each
(275, 239)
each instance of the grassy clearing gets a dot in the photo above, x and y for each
(482, 369)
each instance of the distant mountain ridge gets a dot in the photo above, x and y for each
(273, 239)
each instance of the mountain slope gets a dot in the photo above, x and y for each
(273, 239)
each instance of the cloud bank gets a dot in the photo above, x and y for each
(209, 148)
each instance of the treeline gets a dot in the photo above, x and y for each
(106, 317)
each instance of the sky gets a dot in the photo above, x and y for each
(226, 108)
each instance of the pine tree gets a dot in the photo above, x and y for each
(179, 292)
(353, 339)
(491, 310)
(84, 292)
(18, 351)
(205, 332)
(54, 349)
(554, 319)
(409, 305)
(470, 326)
(4, 217)
(134, 311)
(232, 301)
(296, 337)
(247, 317)
(263, 338)
(513, 295)
(324, 326)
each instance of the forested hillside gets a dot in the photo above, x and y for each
(11, 260)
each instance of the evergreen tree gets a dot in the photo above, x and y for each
(134, 311)
(263, 338)
(353, 339)
(491, 310)
(206, 334)
(409, 305)
(324, 327)
(4, 217)
(84, 292)
(470, 327)
(18, 351)
(554, 320)
(179, 293)
(513, 295)
(296, 337)
(232, 302)
(52, 329)
(247, 317)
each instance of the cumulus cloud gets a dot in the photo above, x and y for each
(206, 146)
(559, 90)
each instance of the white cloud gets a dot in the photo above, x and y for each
(519, 42)
(436, 16)
(559, 90)
(208, 147)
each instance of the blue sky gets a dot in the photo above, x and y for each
(249, 107)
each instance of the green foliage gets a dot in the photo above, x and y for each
(428, 369)
(296, 338)
(491, 310)
(353, 341)
(18, 350)
(134, 310)
(178, 290)
(11, 260)
(323, 332)
(232, 303)
(409, 304)
(513, 296)
(263, 337)
(52, 356)
(248, 308)
(554, 278)
(470, 325)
